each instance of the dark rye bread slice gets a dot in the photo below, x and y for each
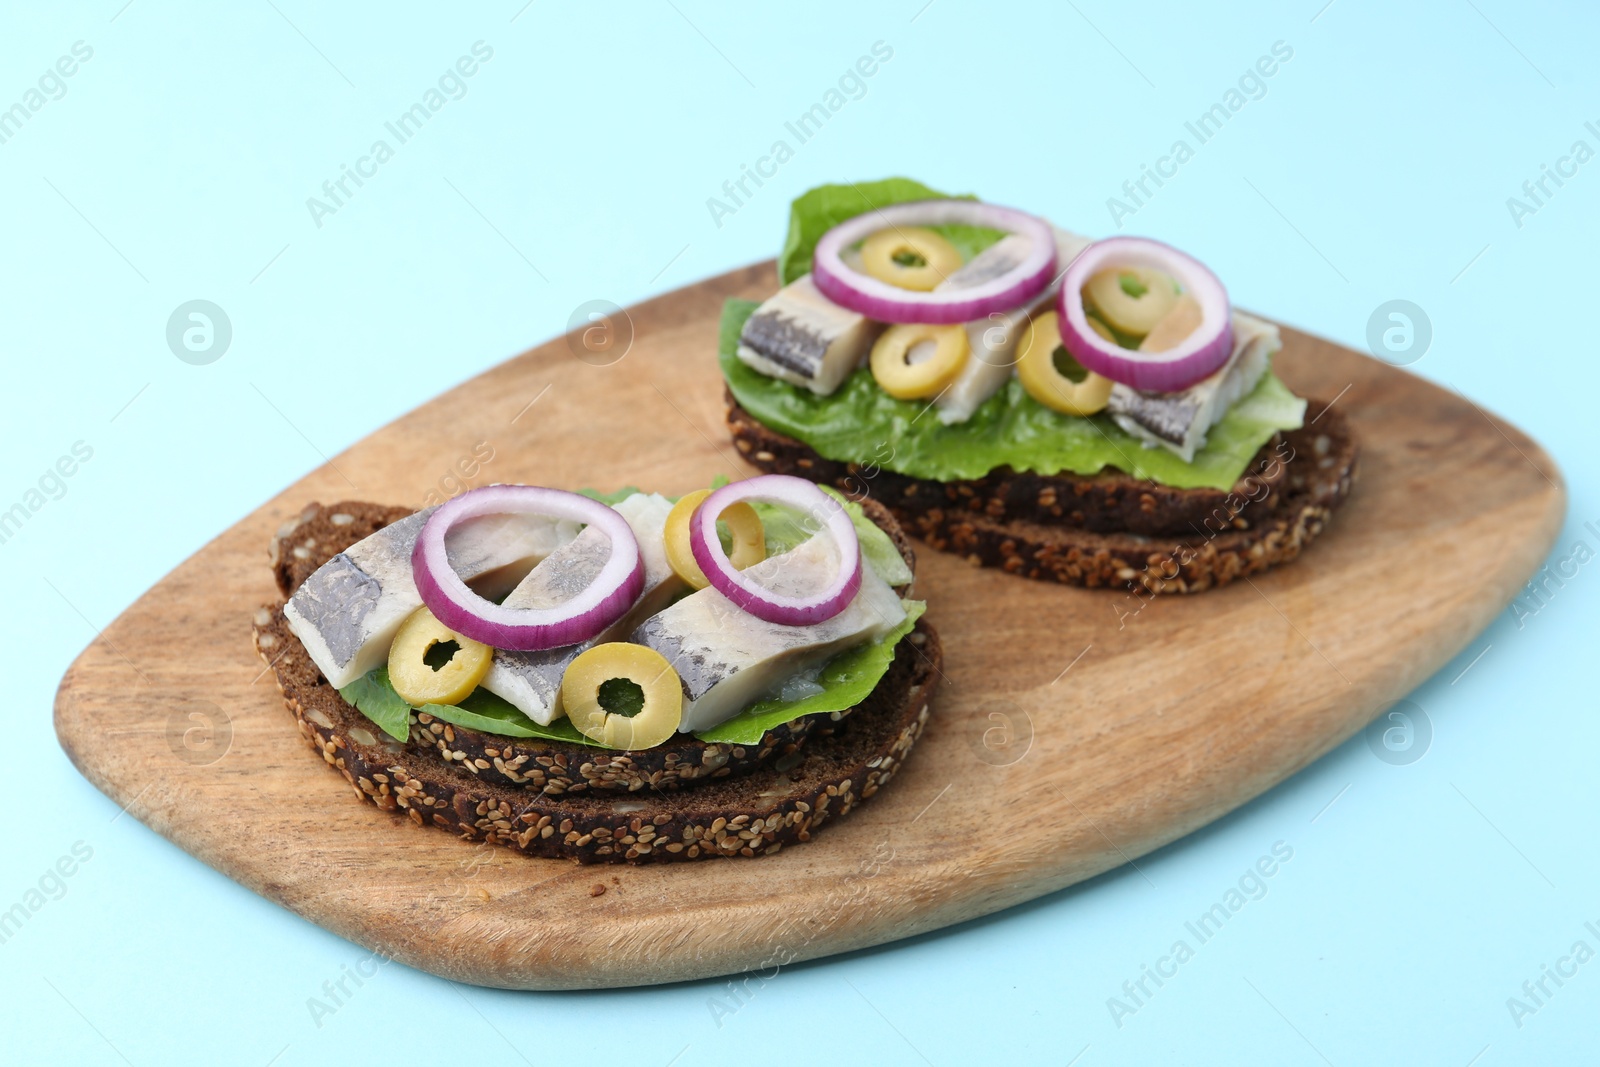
(1215, 552)
(753, 815)
(1305, 475)
(318, 533)
(553, 767)
(1110, 501)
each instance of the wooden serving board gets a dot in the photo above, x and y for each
(1065, 740)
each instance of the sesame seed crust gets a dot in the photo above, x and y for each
(556, 768)
(689, 800)
(753, 815)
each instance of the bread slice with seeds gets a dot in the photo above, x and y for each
(755, 814)
(686, 800)
(556, 768)
(1107, 530)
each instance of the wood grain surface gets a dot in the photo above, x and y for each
(1064, 741)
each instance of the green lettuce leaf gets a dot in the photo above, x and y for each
(877, 548)
(860, 423)
(784, 531)
(491, 714)
(814, 213)
(847, 679)
(373, 696)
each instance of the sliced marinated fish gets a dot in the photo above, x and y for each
(994, 340)
(728, 659)
(532, 680)
(478, 548)
(1180, 421)
(801, 336)
(346, 613)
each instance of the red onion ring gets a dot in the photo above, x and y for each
(786, 491)
(586, 615)
(1200, 354)
(889, 303)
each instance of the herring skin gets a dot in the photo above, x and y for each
(994, 340)
(531, 681)
(802, 337)
(1180, 421)
(336, 600)
(728, 659)
(347, 636)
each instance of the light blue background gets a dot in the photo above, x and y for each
(177, 166)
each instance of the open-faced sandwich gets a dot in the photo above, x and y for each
(1093, 412)
(619, 678)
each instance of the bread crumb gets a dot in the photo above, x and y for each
(597, 890)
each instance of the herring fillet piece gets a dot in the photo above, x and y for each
(800, 336)
(1180, 421)
(994, 340)
(531, 681)
(346, 613)
(728, 659)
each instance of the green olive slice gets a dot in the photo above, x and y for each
(429, 663)
(623, 695)
(1132, 299)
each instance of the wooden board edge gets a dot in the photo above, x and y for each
(959, 908)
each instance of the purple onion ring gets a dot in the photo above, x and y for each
(788, 491)
(879, 300)
(586, 615)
